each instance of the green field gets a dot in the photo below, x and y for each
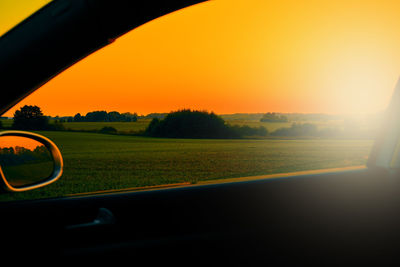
(127, 127)
(141, 124)
(26, 174)
(6, 123)
(131, 127)
(96, 162)
(272, 126)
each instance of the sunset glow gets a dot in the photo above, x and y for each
(240, 57)
(18, 141)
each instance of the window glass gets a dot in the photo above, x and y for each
(13, 12)
(395, 163)
(223, 91)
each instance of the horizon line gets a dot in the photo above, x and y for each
(221, 114)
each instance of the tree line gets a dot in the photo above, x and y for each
(32, 118)
(104, 116)
(201, 124)
(20, 155)
(184, 123)
(198, 124)
(273, 117)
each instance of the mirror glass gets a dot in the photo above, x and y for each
(24, 161)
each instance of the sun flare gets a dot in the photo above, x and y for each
(246, 57)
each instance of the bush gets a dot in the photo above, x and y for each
(56, 126)
(306, 129)
(108, 129)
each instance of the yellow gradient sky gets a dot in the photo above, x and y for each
(234, 56)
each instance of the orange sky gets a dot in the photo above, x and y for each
(238, 56)
(15, 141)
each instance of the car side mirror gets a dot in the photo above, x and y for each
(28, 161)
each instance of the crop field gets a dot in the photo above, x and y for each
(127, 127)
(272, 126)
(6, 123)
(95, 162)
(27, 173)
(141, 124)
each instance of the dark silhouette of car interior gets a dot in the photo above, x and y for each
(343, 218)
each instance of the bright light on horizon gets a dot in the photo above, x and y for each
(336, 57)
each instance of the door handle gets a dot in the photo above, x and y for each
(104, 217)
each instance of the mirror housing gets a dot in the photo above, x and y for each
(56, 157)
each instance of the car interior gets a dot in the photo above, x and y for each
(346, 217)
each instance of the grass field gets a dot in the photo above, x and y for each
(6, 123)
(142, 124)
(120, 126)
(96, 162)
(26, 174)
(272, 126)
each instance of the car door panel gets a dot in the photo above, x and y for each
(337, 216)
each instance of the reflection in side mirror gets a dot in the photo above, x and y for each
(24, 161)
(28, 161)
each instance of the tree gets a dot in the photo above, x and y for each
(127, 116)
(273, 117)
(104, 116)
(108, 129)
(153, 128)
(189, 124)
(296, 129)
(96, 116)
(30, 118)
(78, 117)
(198, 124)
(113, 116)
